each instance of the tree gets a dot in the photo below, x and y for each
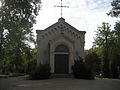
(81, 70)
(107, 42)
(93, 61)
(16, 20)
(115, 51)
(115, 12)
(102, 40)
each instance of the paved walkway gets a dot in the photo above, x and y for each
(19, 83)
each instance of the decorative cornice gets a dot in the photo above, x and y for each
(61, 27)
(61, 22)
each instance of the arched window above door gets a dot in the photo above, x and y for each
(61, 48)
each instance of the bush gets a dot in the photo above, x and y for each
(11, 75)
(81, 71)
(16, 74)
(41, 72)
(99, 76)
(4, 76)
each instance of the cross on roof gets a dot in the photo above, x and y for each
(61, 6)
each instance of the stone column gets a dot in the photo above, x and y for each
(52, 61)
(71, 61)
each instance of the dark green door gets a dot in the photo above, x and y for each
(61, 63)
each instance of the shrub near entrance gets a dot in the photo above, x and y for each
(81, 71)
(41, 72)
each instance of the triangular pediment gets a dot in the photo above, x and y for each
(62, 36)
(63, 25)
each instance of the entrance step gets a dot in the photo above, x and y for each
(62, 76)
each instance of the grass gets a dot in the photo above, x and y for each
(11, 75)
(4, 76)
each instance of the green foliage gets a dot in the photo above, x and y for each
(4, 76)
(80, 70)
(114, 68)
(23, 65)
(115, 12)
(93, 61)
(11, 75)
(30, 63)
(107, 44)
(115, 51)
(29, 66)
(16, 21)
(99, 76)
(15, 74)
(102, 40)
(41, 72)
(103, 33)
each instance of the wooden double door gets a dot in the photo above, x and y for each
(61, 63)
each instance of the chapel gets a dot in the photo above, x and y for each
(59, 45)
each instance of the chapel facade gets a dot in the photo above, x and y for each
(59, 45)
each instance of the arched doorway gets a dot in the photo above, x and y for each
(61, 59)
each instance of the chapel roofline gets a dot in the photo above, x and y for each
(61, 20)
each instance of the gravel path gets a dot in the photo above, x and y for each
(19, 83)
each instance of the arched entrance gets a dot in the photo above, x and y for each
(61, 59)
